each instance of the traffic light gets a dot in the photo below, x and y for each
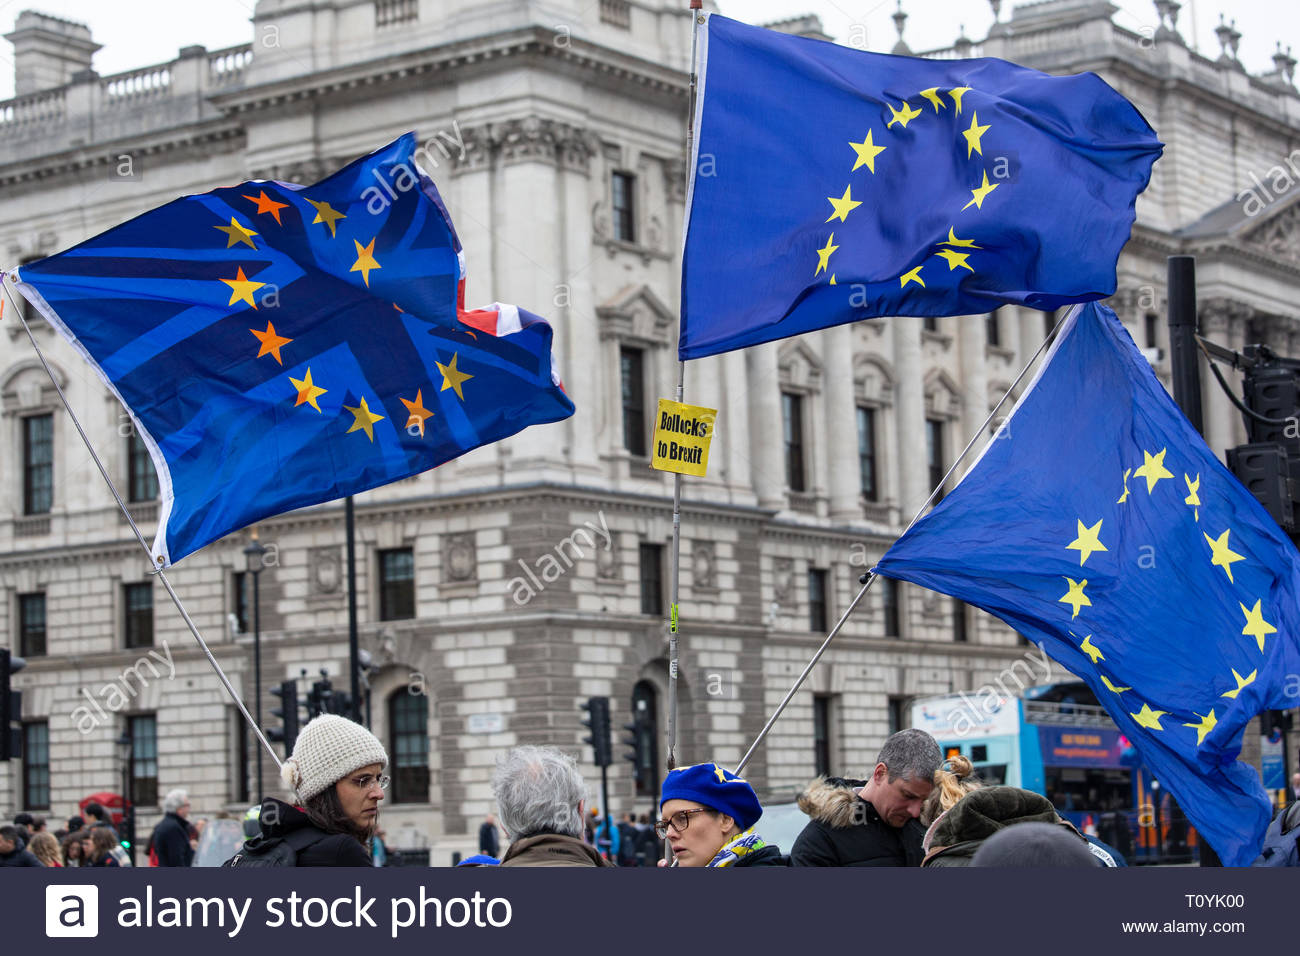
(287, 732)
(640, 738)
(11, 707)
(597, 721)
(319, 698)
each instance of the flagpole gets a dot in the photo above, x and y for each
(131, 521)
(869, 577)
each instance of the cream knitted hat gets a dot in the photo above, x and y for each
(328, 749)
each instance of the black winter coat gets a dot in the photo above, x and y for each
(171, 841)
(845, 830)
(279, 819)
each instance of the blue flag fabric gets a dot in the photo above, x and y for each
(832, 185)
(280, 346)
(1099, 524)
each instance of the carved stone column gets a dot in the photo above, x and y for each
(841, 439)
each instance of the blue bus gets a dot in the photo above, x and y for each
(1057, 740)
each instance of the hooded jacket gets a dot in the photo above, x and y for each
(845, 830)
(552, 849)
(278, 819)
(956, 834)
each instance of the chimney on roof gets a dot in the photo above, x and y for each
(48, 51)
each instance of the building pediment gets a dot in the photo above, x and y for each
(636, 313)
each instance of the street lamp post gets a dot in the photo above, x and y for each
(128, 804)
(253, 557)
(1160, 837)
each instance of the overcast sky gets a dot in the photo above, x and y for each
(142, 32)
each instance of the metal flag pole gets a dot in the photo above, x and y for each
(7, 278)
(697, 20)
(870, 577)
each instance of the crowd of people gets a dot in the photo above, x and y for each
(914, 809)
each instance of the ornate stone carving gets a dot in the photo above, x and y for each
(1217, 316)
(602, 226)
(528, 140)
(675, 180)
(576, 148)
(704, 565)
(800, 367)
(325, 570)
(782, 580)
(476, 154)
(607, 559)
(459, 558)
(1278, 236)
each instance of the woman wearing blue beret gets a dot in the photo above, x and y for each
(708, 816)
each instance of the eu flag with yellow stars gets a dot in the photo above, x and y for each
(1099, 524)
(831, 185)
(280, 346)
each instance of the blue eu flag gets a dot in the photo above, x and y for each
(1098, 523)
(280, 346)
(832, 185)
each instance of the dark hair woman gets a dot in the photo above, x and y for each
(336, 771)
(102, 842)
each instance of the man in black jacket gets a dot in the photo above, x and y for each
(12, 850)
(171, 837)
(873, 823)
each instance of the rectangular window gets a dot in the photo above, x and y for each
(143, 479)
(867, 453)
(409, 718)
(242, 595)
(934, 454)
(959, 633)
(897, 714)
(792, 419)
(652, 579)
(38, 464)
(142, 730)
(930, 323)
(137, 605)
(396, 585)
(890, 599)
(31, 625)
(623, 187)
(36, 765)
(632, 369)
(822, 716)
(993, 328)
(1149, 328)
(817, 600)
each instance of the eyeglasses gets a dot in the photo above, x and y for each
(368, 780)
(679, 821)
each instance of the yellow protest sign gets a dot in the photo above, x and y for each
(682, 435)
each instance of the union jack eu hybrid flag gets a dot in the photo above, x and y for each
(279, 346)
(831, 185)
(1100, 524)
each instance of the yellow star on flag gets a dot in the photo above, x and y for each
(906, 116)
(271, 343)
(1256, 626)
(913, 276)
(824, 255)
(973, 136)
(308, 391)
(418, 412)
(1111, 687)
(327, 214)
(1087, 541)
(952, 240)
(453, 377)
(957, 94)
(867, 152)
(238, 233)
(954, 259)
(1089, 648)
(1241, 683)
(979, 194)
(1153, 468)
(1224, 556)
(1075, 596)
(241, 289)
(266, 204)
(842, 206)
(1204, 727)
(363, 419)
(365, 260)
(1193, 496)
(932, 94)
(1147, 717)
(1124, 497)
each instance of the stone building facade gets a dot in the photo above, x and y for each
(554, 131)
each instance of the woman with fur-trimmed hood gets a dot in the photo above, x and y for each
(960, 831)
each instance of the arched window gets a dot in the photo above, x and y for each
(408, 718)
(645, 715)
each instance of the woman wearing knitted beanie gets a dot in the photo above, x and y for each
(337, 772)
(708, 817)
